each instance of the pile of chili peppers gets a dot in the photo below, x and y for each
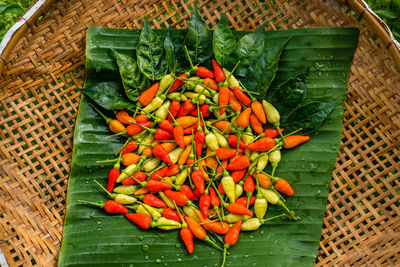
(196, 149)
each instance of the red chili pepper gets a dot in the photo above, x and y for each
(178, 136)
(141, 176)
(218, 73)
(186, 108)
(166, 125)
(188, 192)
(225, 153)
(223, 98)
(241, 96)
(177, 83)
(224, 164)
(243, 201)
(157, 186)
(249, 185)
(196, 193)
(244, 118)
(221, 189)
(147, 96)
(272, 132)
(179, 198)
(160, 152)
(233, 140)
(153, 201)
(190, 129)
(238, 175)
(133, 129)
(284, 187)
(232, 236)
(203, 110)
(141, 118)
(262, 144)
(258, 110)
(128, 148)
(187, 238)
(214, 199)
(210, 83)
(203, 72)
(171, 214)
(163, 135)
(111, 206)
(239, 209)
(112, 178)
(141, 220)
(204, 204)
(172, 170)
(198, 180)
(235, 105)
(199, 138)
(174, 109)
(256, 124)
(241, 162)
(159, 173)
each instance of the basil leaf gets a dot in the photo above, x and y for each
(247, 49)
(198, 39)
(224, 42)
(133, 80)
(308, 116)
(289, 94)
(175, 53)
(150, 54)
(108, 95)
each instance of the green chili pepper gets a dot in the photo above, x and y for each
(125, 189)
(162, 112)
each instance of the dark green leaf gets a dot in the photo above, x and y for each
(247, 49)
(386, 14)
(175, 53)
(11, 8)
(107, 95)
(308, 116)
(198, 39)
(150, 54)
(289, 94)
(133, 80)
(224, 42)
(261, 72)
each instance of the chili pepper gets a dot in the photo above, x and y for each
(113, 174)
(128, 171)
(210, 83)
(220, 189)
(145, 221)
(253, 224)
(199, 232)
(263, 160)
(125, 189)
(168, 146)
(111, 206)
(166, 125)
(239, 163)
(173, 170)
(225, 153)
(256, 124)
(173, 110)
(238, 209)
(124, 117)
(258, 111)
(249, 187)
(141, 191)
(188, 192)
(218, 72)
(244, 118)
(130, 158)
(186, 108)
(186, 121)
(147, 96)
(147, 140)
(228, 184)
(153, 201)
(224, 126)
(178, 136)
(179, 198)
(295, 140)
(189, 211)
(115, 126)
(165, 83)
(177, 83)
(231, 238)
(174, 154)
(184, 155)
(221, 139)
(233, 141)
(140, 118)
(131, 146)
(181, 177)
(141, 176)
(262, 145)
(274, 157)
(241, 96)
(232, 81)
(236, 106)
(142, 208)
(223, 165)
(272, 132)
(261, 204)
(203, 110)
(204, 204)
(238, 190)
(121, 198)
(274, 199)
(162, 154)
(265, 181)
(198, 180)
(196, 193)
(210, 138)
(284, 187)
(216, 227)
(204, 73)
(234, 218)
(238, 175)
(223, 98)
(273, 117)
(185, 233)
(171, 214)
(244, 201)
(162, 134)
(162, 112)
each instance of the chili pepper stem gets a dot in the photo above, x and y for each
(216, 208)
(224, 257)
(151, 130)
(277, 126)
(100, 205)
(106, 161)
(111, 195)
(273, 170)
(279, 194)
(107, 119)
(176, 187)
(272, 218)
(208, 240)
(292, 133)
(190, 60)
(231, 124)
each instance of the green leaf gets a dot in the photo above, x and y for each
(247, 49)
(108, 95)
(224, 43)
(308, 116)
(133, 80)
(198, 39)
(261, 72)
(175, 53)
(386, 14)
(11, 8)
(150, 54)
(289, 94)
(93, 238)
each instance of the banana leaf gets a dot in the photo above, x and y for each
(93, 238)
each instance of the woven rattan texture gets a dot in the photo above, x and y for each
(38, 108)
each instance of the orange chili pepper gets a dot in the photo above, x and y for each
(148, 95)
(124, 117)
(295, 140)
(244, 118)
(232, 101)
(256, 124)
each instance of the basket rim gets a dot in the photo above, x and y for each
(18, 30)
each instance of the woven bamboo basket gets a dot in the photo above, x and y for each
(44, 64)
